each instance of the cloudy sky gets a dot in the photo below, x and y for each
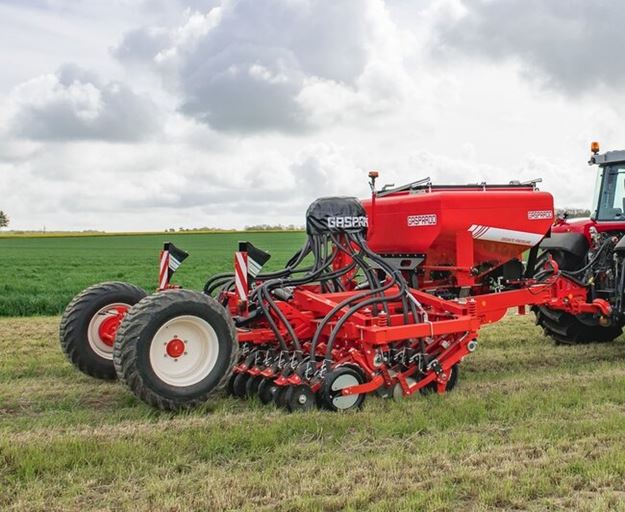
(143, 115)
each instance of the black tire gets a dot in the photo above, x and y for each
(562, 327)
(328, 395)
(135, 337)
(77, 317)
(566, 329)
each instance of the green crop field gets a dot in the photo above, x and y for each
(530, 426)
(39, 276)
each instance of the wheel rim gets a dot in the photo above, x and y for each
(343, 381)
(103, 328)
(184, 351)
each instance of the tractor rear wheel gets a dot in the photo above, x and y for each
(175, 349)
(562, 327)
(89, 326)
(566, 329)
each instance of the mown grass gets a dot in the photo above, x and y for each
(39, 276)
(531, 426)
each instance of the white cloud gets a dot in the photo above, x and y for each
(571, 45)
(73, 104)
(283, 65)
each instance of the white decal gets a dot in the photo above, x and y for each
(540, 214)
(422, 220)
(507, 236)
(347, 222)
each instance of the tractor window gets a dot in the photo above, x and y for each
(612, 196)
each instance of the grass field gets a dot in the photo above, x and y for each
(531, 426)
(39, 276)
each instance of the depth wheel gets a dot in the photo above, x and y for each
(89, 326)
(299, 398)
(176, 348)
(336, 380)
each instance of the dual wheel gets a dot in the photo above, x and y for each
(173, 349)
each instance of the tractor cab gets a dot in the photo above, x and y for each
(608, 208)
(609, 201)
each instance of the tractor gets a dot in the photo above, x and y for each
(589, 251)
(386, 296)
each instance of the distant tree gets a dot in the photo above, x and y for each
(4, 219)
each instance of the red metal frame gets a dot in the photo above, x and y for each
(461, 242)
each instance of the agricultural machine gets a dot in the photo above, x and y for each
(386, 296)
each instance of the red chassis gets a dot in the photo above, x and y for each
(367, 340)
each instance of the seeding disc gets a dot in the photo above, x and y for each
(102, 327)
(239, 383)
(184, 350)
(251, 386)
(230, 384)
(278, 396)
(299, 398)
(266, 390)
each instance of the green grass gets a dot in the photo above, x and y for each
(39, 276)
(531, 426)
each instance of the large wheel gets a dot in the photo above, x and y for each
(562, 327)
(89, 326)
(566, 329)
(175, 349)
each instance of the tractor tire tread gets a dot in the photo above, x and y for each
(124, 353)
(70, 337)
(565, 329)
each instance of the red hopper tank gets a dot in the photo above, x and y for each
(481, 226)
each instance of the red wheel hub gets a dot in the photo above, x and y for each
(175, 348)
(108, 328)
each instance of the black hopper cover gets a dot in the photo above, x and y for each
(336, 215)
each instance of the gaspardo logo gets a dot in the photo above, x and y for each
(347, 222)
(422, 220)
(540, 214)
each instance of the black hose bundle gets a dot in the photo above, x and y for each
(335, 226)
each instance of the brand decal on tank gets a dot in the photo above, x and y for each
(540, 214)
(347, 222)
(422, 220)
(506, 236)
